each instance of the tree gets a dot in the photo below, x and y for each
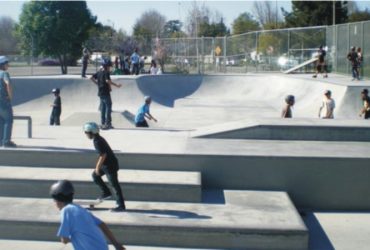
(213, 29)
(58, 29)
(173, 29)
(148, 26)
(8, 42)
(244, 23)
(359, 16)
(267, 14)
(314, 13)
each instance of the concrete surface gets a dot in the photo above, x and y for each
(48, 245)
(248, 220)
(137, 185)
(339, 231)
(298, 129)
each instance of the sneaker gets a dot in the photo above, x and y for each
(118, 209)
(104, 197)
(103, 127)
(109, 126)
(9, 145)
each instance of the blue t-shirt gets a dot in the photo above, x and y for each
(82, 228)
(4, 76)
(135, 58)
(140, 116)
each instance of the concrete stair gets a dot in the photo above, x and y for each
(139, 185)
(246, 220)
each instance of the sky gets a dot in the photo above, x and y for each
(123, 14)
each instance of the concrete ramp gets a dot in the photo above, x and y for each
(288, 129)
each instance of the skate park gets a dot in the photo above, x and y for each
(220, 169)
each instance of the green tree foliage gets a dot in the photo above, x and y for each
(314, 13)
(213, 29)
(57, 28)
(8, 42)
(173, 29)
(359, 16)
(244, 23)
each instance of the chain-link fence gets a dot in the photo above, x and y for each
(260, 51)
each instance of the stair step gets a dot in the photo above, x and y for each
(140, 185)
(247, 220)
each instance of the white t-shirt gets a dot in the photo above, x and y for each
(153, 70)
(327, 106)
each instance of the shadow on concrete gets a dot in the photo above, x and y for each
(81, 150)
(161, 213)
(213, 196)
(168, 88)
(318, 239)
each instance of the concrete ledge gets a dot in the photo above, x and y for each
(138, 185)
(289, 129)
(29, 123)
(253, 220)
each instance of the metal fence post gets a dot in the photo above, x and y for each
(256, 59)
(202, 54)
(225, 57)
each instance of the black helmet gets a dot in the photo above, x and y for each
(56, 90)
(62, 191)
(106, 63)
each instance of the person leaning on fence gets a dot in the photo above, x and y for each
(326, 110)
(360, 62)
(321, 64)
(365, 111)
(6, 110)
(287, 110)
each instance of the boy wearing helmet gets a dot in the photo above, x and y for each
(104, 83)
(6, 110)
(56, 108)
(287, 110)
(144, 112)
(79, 226)
(326, 110)
(107, 164)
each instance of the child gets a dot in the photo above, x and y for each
(56, 108)
(328, 106)
(287, 110)
(107, 164)
(78, 225)
(366, 99)
(144, 112)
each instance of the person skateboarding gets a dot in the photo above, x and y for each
(321, 64)
(56, 108)
(104, 83)
(107, 164)
(79, 226)
(144, 112)
(287, 110)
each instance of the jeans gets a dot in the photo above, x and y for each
(355, 73)
(135, 68)
(55, 117)
(142, 124)
(112, 176)
(6, 122)
(106, 110)
(84, 67)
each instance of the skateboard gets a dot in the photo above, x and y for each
(129, 116)
(88, 203)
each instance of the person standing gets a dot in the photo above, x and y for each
(6, 110)
(153, 68)
(56, 110)
(326, 110)
(85, 61)
(365, 111)
(79, 226)
(135, 61)
(321, 64)
(107, 164)
(360, 61)
(287, 110)
(352, 56)
(144, 112)
(104, 83)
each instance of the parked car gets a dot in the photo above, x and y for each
(49, 62)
